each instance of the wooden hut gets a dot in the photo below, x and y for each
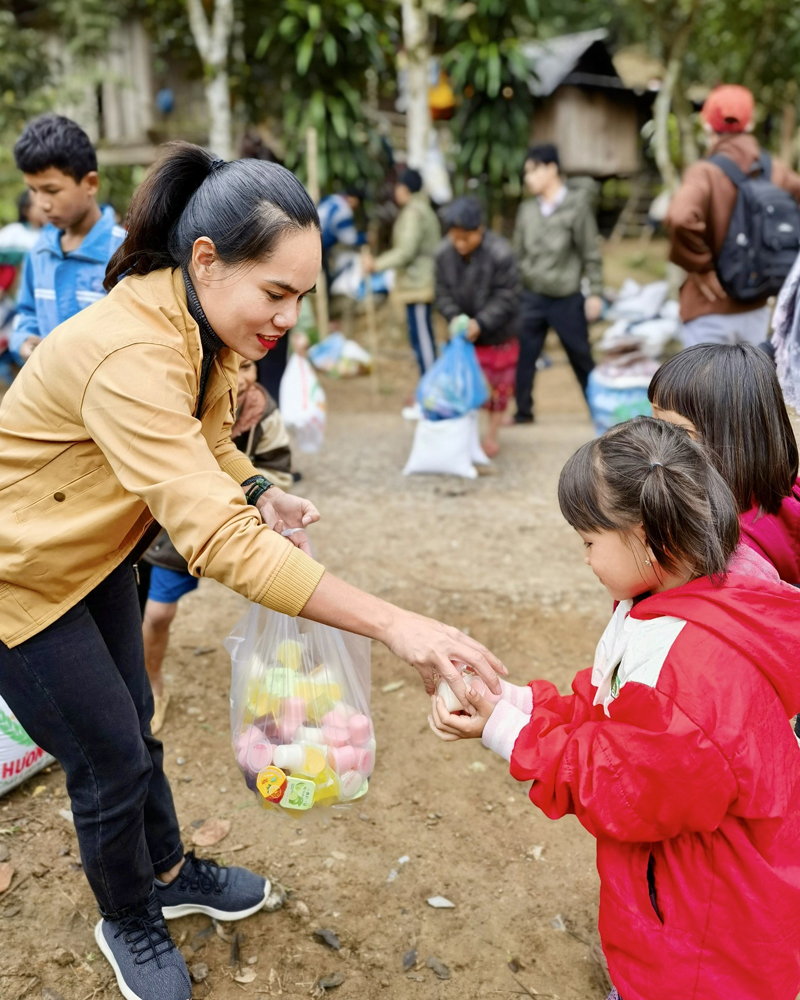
(584, 107)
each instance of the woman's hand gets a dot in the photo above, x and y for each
(433, 648)
(448, 726)
(283, 511)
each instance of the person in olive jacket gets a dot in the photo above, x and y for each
(476, 276)
(557, 245)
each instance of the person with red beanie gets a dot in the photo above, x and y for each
(700, 215)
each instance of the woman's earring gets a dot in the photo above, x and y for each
(647, 562)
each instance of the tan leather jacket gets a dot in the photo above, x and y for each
(98, 437)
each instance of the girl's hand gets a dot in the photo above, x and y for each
(448, 726)
(282, 511)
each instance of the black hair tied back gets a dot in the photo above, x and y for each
(244, 207)
(648, 472)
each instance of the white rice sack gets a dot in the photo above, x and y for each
(443, 447)
(19, 756)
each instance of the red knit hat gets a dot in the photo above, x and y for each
(728, 108)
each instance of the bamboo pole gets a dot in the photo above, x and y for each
(312, 173)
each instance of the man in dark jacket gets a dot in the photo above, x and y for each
(476, 276)
(557, 246)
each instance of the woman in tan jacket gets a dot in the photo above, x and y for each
(121, 417)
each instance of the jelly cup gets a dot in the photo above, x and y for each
(342, 759)
(335, 737)
(360, 730)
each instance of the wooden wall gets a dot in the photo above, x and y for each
(596, 131)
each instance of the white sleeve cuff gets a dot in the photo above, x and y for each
(504, 726)
(519, 697)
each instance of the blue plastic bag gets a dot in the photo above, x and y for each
(615, 400)
(455, 384)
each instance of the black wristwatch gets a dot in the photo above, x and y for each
(254, 488)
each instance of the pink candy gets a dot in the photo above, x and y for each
(342, 759)
(336, 719)
(335, 736)
(295, 709)
(256, 756)
(360, 730)
(289, 727)
(365, 761)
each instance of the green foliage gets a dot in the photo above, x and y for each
(487, 67)
(23, 74)
(317, 57)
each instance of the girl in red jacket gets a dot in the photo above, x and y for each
(729, 397)
(674, 749)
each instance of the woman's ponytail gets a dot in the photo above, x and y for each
(650, 472)
(244, 207)
(156, 206)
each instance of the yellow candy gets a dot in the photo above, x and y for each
(267, 696)
(319, 706)
(305, 688)
(314, 763)
(327, 788)
(272, 783)
(290, 654)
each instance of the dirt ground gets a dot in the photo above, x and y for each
(492, 556)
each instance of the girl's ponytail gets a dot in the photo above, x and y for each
(650, 473)
(156, 206)
(244, 207)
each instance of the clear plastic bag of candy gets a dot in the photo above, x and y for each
(300, 722)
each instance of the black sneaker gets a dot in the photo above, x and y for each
(205, 887)
(523, 418)
(143, 956)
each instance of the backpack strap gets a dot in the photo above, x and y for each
(729, 168)
(735, 174)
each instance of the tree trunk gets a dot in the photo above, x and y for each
(213, 42)
(789, 125)
(675, 45)
(218, 98)
(683, 113)
(418, 116)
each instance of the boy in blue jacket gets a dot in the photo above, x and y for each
(64, 272)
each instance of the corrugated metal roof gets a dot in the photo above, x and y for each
(553, 61)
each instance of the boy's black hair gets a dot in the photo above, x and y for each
(55, 141)
(650, 473)
(731, 394)
(24, 202)
(464, 213)
(410, 178)
(544, 153)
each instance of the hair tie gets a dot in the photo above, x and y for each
(215, 165)
(654, 464)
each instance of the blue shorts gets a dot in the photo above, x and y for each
(168, 585)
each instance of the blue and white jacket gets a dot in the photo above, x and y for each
(337, 223)
(56, 285)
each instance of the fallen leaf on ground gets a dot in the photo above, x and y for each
(409, 960)
(211, 832)
(330, 982)
(328, 937)
(392, 686)
(6, 874)
(440, 903)
(245, 976)
(438, 967)
(38, 790)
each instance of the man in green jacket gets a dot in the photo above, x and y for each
(557, 245)
(415, 239)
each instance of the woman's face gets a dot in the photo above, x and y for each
(252, 306)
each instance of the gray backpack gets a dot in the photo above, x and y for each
(763, 237)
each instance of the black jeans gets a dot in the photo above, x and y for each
(80, 690)
(567, 318)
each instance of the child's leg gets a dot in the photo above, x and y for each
(420, 333)
(156, 624)
(80, 690)
(491, 445)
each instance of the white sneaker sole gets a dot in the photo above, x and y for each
(186, 909)
(102, 944)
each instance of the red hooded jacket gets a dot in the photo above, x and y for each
(776, 537)
(676, 753)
